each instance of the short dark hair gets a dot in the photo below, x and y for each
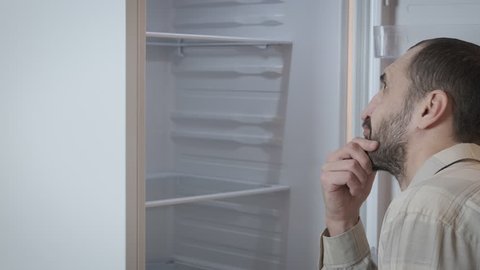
(453, 66)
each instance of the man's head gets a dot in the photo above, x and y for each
(436, 79)
(453, 66)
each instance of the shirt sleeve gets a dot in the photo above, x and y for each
(349, 250)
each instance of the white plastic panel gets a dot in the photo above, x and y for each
(230, 81)
(159, 103)
(159, 228)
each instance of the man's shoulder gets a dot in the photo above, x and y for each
(434, 219)
(446, 197)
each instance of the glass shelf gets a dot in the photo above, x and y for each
(175, 265)
(190, 40)
(231, 138)
(196, 3)
(174, 189)
(391, 41)
(238, 118)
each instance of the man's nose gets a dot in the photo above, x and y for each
(367, 112)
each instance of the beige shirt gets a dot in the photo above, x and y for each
(433, 224)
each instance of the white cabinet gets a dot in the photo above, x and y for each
(62, 115)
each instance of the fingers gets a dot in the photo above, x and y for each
(347, 179)
(356, 149)
(340, 179)
(348, 165)
(367, 145)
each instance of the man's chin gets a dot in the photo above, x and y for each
(374, 159)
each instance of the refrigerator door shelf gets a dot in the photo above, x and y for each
(174, 189)
(391, 41)
(191, 40)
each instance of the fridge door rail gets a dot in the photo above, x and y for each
(182, 189)
(217, 196)
(191, 40)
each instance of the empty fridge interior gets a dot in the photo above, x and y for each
(215, 116)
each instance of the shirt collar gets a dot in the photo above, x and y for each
(445, 158)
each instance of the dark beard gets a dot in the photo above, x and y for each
(392, 151)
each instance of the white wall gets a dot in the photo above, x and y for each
(62, 134)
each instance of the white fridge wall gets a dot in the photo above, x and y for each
(305, 111)
(159, 104)
(208, 84)
(62, 109)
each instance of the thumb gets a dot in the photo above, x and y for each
(367, 145)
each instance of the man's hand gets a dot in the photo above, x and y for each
(347, 179)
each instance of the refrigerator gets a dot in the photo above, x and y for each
(244, 99)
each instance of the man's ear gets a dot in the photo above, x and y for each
(433, 109)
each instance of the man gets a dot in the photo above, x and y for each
(424, 128)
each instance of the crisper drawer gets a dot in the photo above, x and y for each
(210, 223)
